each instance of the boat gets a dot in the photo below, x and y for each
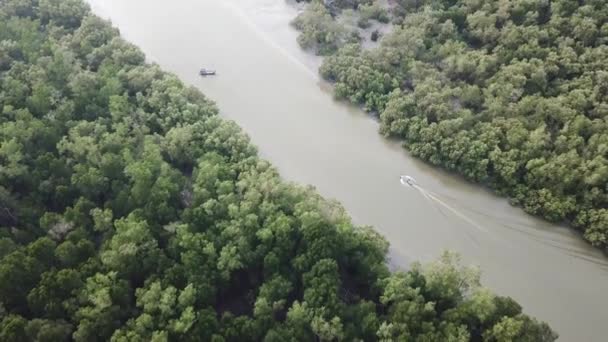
(407, 180)
(206, 72)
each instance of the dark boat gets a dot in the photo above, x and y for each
(206, 72)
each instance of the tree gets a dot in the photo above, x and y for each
(12, 328)
(48, 331)
(132, 252)
(64, 13)
(104, 301)
(319, 32)
(52, 297)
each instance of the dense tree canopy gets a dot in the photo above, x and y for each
(131, 212)
(509, 93)
(320, 32)
(325, 26)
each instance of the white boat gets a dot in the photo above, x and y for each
(206, 72)
(407, 180)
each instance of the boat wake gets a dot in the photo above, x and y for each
(439, 204)
(246, 19)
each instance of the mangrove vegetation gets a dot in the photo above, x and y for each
(130, 211)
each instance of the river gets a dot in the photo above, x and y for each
(271, 89)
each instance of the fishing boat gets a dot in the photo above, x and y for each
(206, 72)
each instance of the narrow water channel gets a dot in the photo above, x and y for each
(270, 88)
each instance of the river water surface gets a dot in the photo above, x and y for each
(271, 89)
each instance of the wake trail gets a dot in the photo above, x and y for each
(433, 204)
(551, 243)
(453, 210)
(437, 203)
(494, 218)
(264, 36)
(513, 226)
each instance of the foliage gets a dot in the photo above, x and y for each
(319, 32)
(510, 93)
(132, 212)
(372, 11)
